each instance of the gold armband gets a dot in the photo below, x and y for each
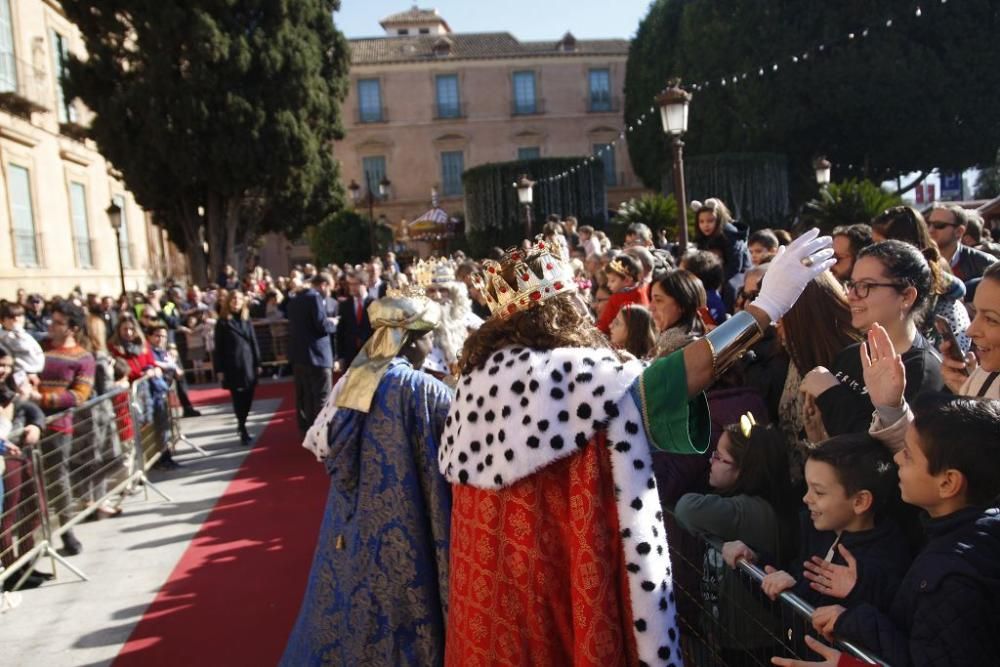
(731, 339)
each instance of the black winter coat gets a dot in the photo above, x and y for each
(236, 353)
(882, 554)
(947, 609)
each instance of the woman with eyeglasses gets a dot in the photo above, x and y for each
(892, 284)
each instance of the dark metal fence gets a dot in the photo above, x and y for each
(726, 619)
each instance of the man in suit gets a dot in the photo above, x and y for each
(354, 328)
(947, 223)
(309, 348)
(377, 287)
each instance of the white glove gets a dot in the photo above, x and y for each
(787, 275)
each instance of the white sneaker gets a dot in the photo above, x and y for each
(9, 601)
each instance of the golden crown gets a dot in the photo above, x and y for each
(619, 268)
(524, 285)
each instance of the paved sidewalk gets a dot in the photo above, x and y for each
(69, 622)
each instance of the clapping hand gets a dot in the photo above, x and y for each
(885, 375)
(831, 579)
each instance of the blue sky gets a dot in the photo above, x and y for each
(525, 19)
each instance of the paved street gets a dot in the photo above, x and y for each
(68, 622)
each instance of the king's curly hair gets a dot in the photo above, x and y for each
(556, 322)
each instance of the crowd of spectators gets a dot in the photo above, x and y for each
(908, 316)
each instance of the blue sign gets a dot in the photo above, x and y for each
(951, 186)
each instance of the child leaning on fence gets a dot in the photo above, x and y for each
(753, 503)
(851, 484)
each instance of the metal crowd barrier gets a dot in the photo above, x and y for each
(87, 457)
(725, 618)
(272, 339)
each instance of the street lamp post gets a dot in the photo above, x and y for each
(822, 167)
(115, 218)
(524, 196)
(673, 103)
(384, 191)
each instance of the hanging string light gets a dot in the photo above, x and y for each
(735, 79)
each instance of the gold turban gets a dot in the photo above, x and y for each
(391, 317)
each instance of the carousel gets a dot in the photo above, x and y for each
(429, 234)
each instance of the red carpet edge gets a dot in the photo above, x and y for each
(233, 596)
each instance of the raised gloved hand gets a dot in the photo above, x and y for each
(791, 270)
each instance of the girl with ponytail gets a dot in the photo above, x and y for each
(904, 223)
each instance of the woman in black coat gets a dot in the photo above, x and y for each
(237, 357)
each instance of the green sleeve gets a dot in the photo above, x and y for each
(673, 423)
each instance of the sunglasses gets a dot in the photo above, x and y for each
(940, 226)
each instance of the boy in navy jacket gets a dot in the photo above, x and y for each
(946, 609)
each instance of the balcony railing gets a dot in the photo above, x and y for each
(128, 255)
(23, 87)
(84, 248)
(368, 115)
(524, 108)
(27, 249)
(450, 111)
(602, 104)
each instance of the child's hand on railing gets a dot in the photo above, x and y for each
(776, 582)
(825, 618)
(735, 551)
(830, 655)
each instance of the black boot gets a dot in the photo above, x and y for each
(245, 436)
(71, 545)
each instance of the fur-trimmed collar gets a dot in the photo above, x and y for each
(528, 408)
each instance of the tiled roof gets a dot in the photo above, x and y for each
(416, 48)
(413, 15)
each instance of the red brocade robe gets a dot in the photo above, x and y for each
(558, 550)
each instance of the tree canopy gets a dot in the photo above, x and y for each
(912, 96)
(220, 114)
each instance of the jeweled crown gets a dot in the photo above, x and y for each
(538, 274)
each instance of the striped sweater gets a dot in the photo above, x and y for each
(66, 382)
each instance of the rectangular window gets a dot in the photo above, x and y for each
(60, 55)
(452, 166)
(372, 171)
(529, 153)
(8, 66)
(370, 100)
(81, 231)
(608, 157)
(600, 90)
(524, 92)
(447, 96)
(123, 233)
(22, 217)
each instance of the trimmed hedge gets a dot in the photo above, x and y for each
(495, 218)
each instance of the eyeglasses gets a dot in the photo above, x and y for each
(748, 295)
(863, 288)
(942, 225)
(716, 457)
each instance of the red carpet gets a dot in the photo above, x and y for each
(234, 595)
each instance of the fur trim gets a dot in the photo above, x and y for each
(527, 409)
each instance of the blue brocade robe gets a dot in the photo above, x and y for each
(378, 589)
